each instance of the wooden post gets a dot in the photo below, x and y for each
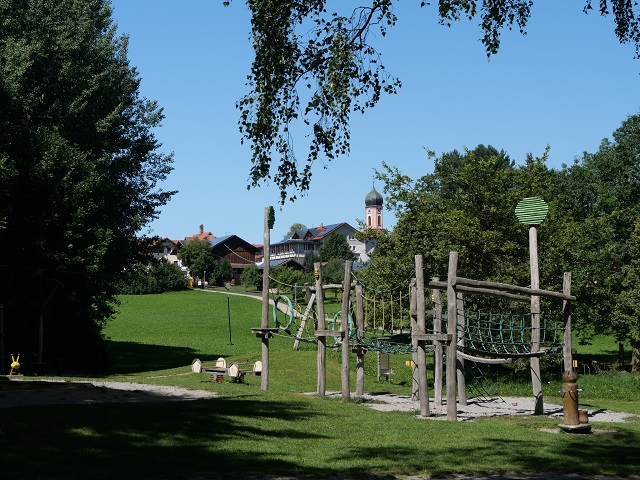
(360, 333)
(344, 329)
(452, 350)
(437, 358)
(462, 385)
(536, 380)
(415, 384)
(423, 386)
(322, 340)
(566, 315)
(264, 377)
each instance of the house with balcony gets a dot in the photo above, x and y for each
(309, 240)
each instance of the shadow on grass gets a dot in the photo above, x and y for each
(603, 357)
(219, 436)
(252, 436)
(132, 357)
(573, 455)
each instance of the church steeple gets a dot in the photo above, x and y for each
(373, 210)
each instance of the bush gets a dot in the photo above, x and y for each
(157, 277)
(251, 277)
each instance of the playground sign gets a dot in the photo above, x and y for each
(531, 211)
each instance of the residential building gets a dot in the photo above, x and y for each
(201, 235)
(309, 240)
(167, 248)
(239, 252)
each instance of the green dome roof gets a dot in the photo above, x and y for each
(373, 198)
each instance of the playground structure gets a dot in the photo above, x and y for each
(480, 340)
(236, 371)
(480, 337)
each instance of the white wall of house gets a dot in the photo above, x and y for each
(167, 251)
(297, 249)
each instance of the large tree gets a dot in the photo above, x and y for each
(466, 205)
(79, 173)
(197, 256)
(599, 198)
(626, 318)
(317, 66)
(335, 246)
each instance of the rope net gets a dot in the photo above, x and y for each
(506, 334)
(387, 325)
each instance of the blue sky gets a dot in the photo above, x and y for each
(568, 84)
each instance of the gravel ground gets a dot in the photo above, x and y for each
(493, 407)
(21, 392)
(15, 393)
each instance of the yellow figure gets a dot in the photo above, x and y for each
(15, 365)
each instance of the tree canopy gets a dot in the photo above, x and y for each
(197, 256)
(465, 205)
(335, 246)
(468, 205)
(294, 228)
(79, 171)
(315, 65)
(251, 276)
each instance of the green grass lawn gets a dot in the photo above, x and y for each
(281, 432)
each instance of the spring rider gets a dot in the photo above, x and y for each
(15, 365)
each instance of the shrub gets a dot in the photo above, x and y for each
(157, 277)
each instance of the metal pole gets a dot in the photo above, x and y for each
(40, 325)
(229, 315)
(1, 338)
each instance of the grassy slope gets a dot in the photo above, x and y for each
(248, 431)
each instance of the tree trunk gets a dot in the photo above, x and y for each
(635, 356)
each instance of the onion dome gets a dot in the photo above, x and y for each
(373, 198)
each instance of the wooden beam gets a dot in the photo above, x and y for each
(493, 293)
(513, 288)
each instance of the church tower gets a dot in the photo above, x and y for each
(373, 210)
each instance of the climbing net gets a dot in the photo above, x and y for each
(387, 319)
(387, 324)
(508, 334)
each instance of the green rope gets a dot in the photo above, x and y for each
(506, 334)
